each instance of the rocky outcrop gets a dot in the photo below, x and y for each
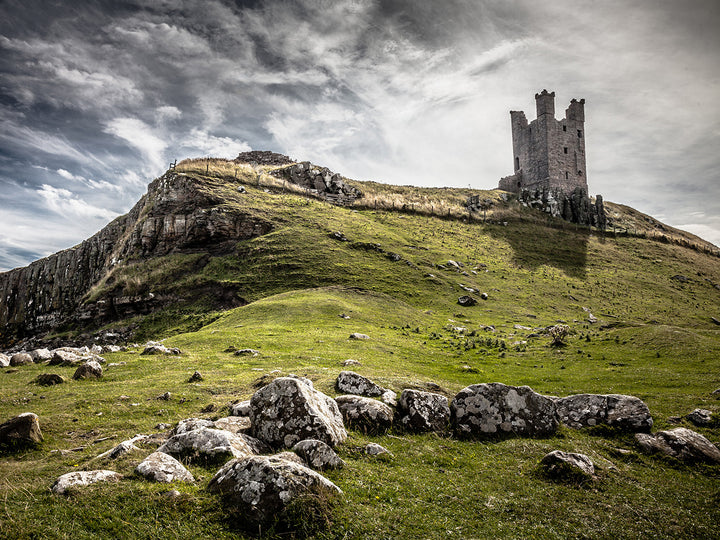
(88, 370)
(487, 410)
(567, 465)
(176, 215)
(626, 413)
(350, 382)
(207, 443)
(263, 157)
(320, 181)
(318, 455)
(575, 207)
(22, 430)
(289, 410)
(364, 413)
(423, 411)
(681, 443)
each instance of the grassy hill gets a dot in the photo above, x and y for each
(653, 293)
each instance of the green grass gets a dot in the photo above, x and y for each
(654, 339)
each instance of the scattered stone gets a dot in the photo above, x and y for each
(627, 413)
(240, 409)
(195, 377)
(164, 397)
(466, 301)
(153, 347)
(567, 465)
(64, 358)
(41, 355)
(337, 235)
(715, 393)
(21, 359)
(354, 383)
(423, 411)
(374, 449)
(318, 455)
(681, 443)
(207, 443)
(356, 335)
(234, 424)
(23, 430)
(160, 467)
(83, 478)
(681, 278)
(246, 352)
(49, 379)
(483, 410)
(289, 410)
(521, 327)
(191, 424)
(172, 494)
(88, 370)
(350, 362)
(700, 417)
(484, 296)
(162, 426)
(4, 360)
(123, 448)
(364, 413)
(260, 488)
(344, 316)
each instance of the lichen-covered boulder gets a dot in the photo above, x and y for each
(260, 488)
(287, 455)
(494, 409)
(289, 410)
(41, 355)
(21, 359)
(190, 424)
(240, 409)
(22, 430)
(161, 467)
(567, 465)
(88, 370)
(234, 424)
(49, 379)
(627, 413)
(350, 382)
(364, 413)
(681, 443)
(700, 417)
(83, 478)
(207, 443)
(423, 411)
(318, 455)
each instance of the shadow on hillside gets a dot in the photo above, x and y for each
(534, 246)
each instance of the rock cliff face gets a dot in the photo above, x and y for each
(174, 216)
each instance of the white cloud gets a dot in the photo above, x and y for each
(200, 141)
(704, 231)
(142, 138)
(66, 203)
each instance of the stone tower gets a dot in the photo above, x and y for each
(548, 154)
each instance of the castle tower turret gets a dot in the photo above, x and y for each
(545, 103)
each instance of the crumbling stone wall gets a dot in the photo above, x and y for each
(319, 181)
(575, 207)
(263, 157)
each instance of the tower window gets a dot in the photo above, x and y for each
(579, 173)
(565, 150)
(517, 163)
(564, 128)
(579, 134)
(566, 175)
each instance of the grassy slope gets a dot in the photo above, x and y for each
(655, 340)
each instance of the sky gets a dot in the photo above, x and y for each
(98, 97)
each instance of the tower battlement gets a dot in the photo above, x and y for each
(548, 154)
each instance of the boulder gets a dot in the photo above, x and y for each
(64, 358)
(357, 335)
(567, 465)
(41, 355)
(21, 359)
(152, 347)
(234, 424)
(246, 352)
(240, 409)
(681, 443)
(83, 478)
(374, 449)
(483, 410)
(700, 417)
(123, 448)
(350, 362)
(364, 413)
(318, 455)
(190, 424)
(207, 443)
(88, 370)
(423, 411)
(466, 301)
(4, 360)
(22, 430)
(389, 398)
(289, 410)
(195, 377)
(627, 413)
(260, 488)
(49, 379)
(350, 382)
(290, 456)
(160, 467)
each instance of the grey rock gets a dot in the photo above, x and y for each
(49, 379)
(350, 382)
(63, 357)
(291, 457)
(715, 393)
(700, 417)
(483, 410)
(484, 296)
(191, 424)
(357, 335)
(389, 398)
(88, 370)
(164, 397)
(21, 359)
(364, 413)
(240, 409)
(22, 430)
(160, 467)
(466, 301)
(123, 448)
(423, 411)
(234, 424)
(41, 355)
(4, 360)
(256, 445)
(559, 464)
(289, 410)
(374, 449)
(195, 377)
(627, 413)
(350, 362)
(318, 455)
(246, 352)
(681, 443)
(207, 443)
(260, 488)
(159, 348)
(83, 478)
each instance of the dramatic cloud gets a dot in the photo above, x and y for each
(96, 101)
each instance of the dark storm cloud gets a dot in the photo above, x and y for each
(96, 98)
